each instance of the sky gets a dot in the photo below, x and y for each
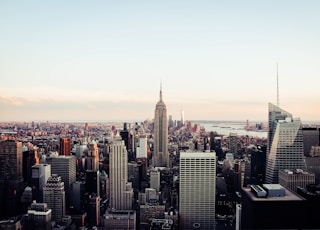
(94, 60)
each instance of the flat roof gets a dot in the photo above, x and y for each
(290, 196)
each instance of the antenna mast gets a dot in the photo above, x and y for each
(277, 87)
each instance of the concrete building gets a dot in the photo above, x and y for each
(64, 166)
(40, 175)
(39, 216)
(142, 149)
(285, 144)
(197, 190)
(121, 192)
(278, 208)
(54, 196)
(92, 159)
(155, 179)
(160, 156)
(292, 179)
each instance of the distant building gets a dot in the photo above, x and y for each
(197, 190)
(142, 150)
(40, 175)
(311, 137)
(155, 179)
(160, 156)
(65, 146)
(120, 220)
(54, 196)
(92, 159)
(233, 143)
(292, 179)
(285, 143)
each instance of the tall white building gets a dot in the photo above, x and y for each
(142, 150)
(160, 156)
(285, 144)
(40, 176)
(121, 192)
(197, 190)
(54, 197)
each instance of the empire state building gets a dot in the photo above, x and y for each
(160, 152)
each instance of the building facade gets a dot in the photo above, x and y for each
(54, 197)
(121, 192)
(285, 144)
(197, 190)
(160, 150)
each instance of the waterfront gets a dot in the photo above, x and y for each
(227, 127)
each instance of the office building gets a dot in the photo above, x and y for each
(292, 179)
(54, 197)
(142, 149)
(197, 190)
(40, 176)
(30, 158)
(65, 146)
(271, 206)
(64, 166)
(92, 159)
(93, 182)
(160, 156)
(39, 217)
(311, 137)
(93, 210)
(128, 138)
(121, 192)
(285, 144)
(233, 143)
(155, 179)
(258, 164)
(11, 178)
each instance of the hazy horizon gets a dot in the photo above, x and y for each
(104, 60)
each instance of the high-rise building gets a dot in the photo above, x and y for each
(30, 158)
(197, 190)
(155, 179)
(65, 146)
(285, 144)
(182, 117)
(121, 192)
(142, 150)
(11, 179)
(64, 166)
(233, 143)
(40, 176)
(128, 139)
(39, 216)
(92, 159)
(54, 196)
(160, 156)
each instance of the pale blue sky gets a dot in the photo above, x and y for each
(104, 60)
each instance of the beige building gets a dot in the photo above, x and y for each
(160, 151)
(291, 179)
(121, 192)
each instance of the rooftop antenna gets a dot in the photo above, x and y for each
(277, 87)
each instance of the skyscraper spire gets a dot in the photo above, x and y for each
(277, 87)
(161, 91)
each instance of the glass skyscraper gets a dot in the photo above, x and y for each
(285, 144)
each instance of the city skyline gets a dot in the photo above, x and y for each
(100, 61)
